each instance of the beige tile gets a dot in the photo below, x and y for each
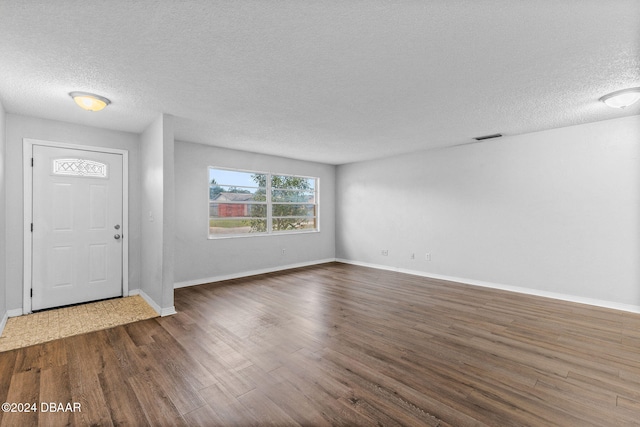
(48, 325)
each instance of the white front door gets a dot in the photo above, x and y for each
(77, 226)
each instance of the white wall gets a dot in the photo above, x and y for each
(199, 260)
(551, 213)
(3, 253)
(19, 127)
(157, 165)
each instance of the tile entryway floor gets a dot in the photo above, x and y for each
(49, 325)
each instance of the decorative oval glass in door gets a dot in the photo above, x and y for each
(79, 167)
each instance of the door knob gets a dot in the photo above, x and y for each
(117, 236)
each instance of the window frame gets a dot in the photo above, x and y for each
(268, 204)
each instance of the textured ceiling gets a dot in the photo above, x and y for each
(331, 81)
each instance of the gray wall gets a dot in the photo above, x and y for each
(199, 259)
(550, 212)
(3, 231)
(19, 127)
(554, 212)
(157, 165)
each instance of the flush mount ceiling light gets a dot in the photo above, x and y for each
(622, 98)
(89, 101)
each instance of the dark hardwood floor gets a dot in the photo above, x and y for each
(340, 345)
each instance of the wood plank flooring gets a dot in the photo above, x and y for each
(340, 345)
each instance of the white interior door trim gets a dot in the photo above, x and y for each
(27, 148)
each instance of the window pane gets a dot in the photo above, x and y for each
(293, 210)
(79, 167)
(293, 224)
(236, 178)
(237, 210)
(220, 227)
(284, 182)
(237, 190)
(238, 195)
(238, 203)
(293, 196)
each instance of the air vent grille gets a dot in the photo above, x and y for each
(482, 138)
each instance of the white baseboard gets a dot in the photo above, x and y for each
(249, 273)
(528, 291)
(3, 322)
(15, 312)
(166, 311)
(10, 313)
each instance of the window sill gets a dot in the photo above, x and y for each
(243, 236)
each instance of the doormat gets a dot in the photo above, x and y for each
(50, 325)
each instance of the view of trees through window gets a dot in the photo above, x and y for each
(243, 202)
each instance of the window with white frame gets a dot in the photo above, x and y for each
(244, 203)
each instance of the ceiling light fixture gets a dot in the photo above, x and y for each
(89, 101)
(622, 98)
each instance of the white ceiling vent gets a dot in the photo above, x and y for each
(482, 138)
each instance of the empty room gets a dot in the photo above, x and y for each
(318, 213)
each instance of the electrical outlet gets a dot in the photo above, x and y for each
(384, 252)
(427, 257)
(283, 251)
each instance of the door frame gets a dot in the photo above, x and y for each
(27, 153)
